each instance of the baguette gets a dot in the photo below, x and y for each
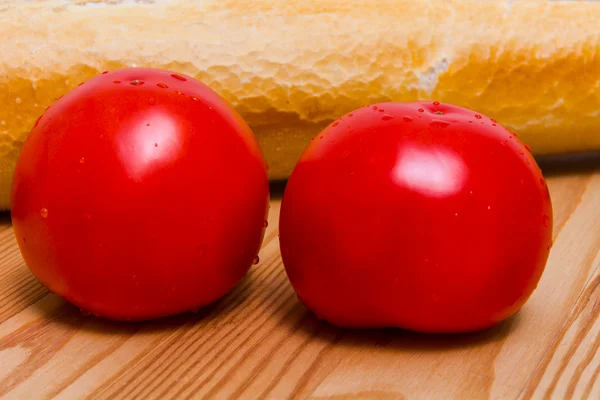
(290, 68)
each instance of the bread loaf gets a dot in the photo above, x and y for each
(290, 68)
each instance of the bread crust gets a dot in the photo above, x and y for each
(290, 68)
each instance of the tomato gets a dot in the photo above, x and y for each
(422, 216)
(140, 194)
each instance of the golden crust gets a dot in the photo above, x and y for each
(289, 68)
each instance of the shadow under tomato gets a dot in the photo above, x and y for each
(68, 315)
(5, 217)
(395, 339)
(277, 188)
(569, 164)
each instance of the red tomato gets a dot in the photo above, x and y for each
(140, 194)
(423, 216)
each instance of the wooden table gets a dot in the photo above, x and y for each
(259, 342)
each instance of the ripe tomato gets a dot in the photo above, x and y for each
(423, 216)
(140, 194)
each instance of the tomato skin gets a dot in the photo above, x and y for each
(140, 194)
(422, 216)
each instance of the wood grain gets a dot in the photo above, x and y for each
(259, 342)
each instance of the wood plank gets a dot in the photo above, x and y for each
(18, 287)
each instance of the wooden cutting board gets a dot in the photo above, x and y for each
(259, 342)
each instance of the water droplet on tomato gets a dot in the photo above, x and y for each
(420, 110)
(493, 120)
(155, 144)
(521, 152)
(489, 207)
(350, 115)
(319, 316)
(148, 124)
(387, 117)
(162, 85)
(436, 123)
(136, 82)
(456, 214)
(321, 137)
(116, 81)
(527, 148)
(104, 72)
(470, 122)
(546, 219)
(335, 124)
(438, 113)
(477, 116)
(101, 136)
(179, 77)
(256, 260)
(407, 119)
(179, 92)
(81, 160)
(381, 110)
(195, 98)
(44, 212)
(151, 101)
(436, 103)
(493, 124)
(265, 223)
(375, 108)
